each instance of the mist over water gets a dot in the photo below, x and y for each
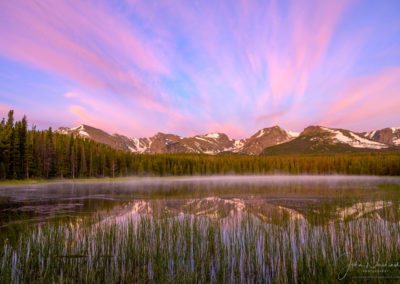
(34, 203)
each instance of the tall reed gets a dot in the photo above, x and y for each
(239, 249)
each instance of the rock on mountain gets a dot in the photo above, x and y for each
(390, 135)
(319, 139)
(211, 143)
(214, 143)
(156, 144)
(272, 140)
(264, 138)
(85, 131)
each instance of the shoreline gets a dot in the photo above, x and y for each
(6, 183)
(101, 179)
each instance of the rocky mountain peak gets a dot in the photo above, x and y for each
(266, 137)
(389, 135)
(216, 142)
(312, 129)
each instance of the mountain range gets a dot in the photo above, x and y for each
(271, 140)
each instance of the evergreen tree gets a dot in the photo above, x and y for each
(16, 155)
(3, 171)
(8, 139)
(23, 149)
(72, 157)
(82, 165)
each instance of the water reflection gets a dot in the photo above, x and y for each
(274, 199)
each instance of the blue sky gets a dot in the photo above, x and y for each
(189, 67)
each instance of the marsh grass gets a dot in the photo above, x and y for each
(344, 233)
(240, 249)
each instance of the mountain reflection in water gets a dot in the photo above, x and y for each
(273, 199)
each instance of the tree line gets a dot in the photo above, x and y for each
(26, 154)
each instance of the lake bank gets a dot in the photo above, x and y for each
(7, 183)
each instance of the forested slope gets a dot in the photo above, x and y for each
(44, 154)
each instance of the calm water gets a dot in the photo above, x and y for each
(317, 199)
(263, 229)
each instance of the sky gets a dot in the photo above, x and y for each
(191, 67)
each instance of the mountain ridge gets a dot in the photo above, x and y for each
(269, 140)
(320, 139)
(210, 143)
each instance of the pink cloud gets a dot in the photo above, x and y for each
(185, 67)
(85, 116)
(81, 40)
(365, 100)
(290, 63)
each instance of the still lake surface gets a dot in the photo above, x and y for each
(203, 229)
(270, 198)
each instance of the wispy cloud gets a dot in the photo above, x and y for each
(139, 67)
(365, 99)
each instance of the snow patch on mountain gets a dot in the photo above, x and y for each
(370, 134)
(212, 135)
(210, 152)
(389, 135)
(81, 131)
(200, 138)
(355, 140)
(365, 143)
(236, 147)
(238, 144)
(292, 134)
(139, 145)
(260, 133)
(394, 129)
(77, 127)
(63, 130)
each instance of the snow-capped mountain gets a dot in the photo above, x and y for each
(88, 132)
(347, 137)
(210, 143)
(320, 139)
(390, 135)
(272, 140)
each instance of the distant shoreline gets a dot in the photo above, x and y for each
(5, 183)
(101, 179)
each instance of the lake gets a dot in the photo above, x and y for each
(205, 229)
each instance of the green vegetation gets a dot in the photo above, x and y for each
(390, 186)
(56, 180)
(46, 155)
(171, 250)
